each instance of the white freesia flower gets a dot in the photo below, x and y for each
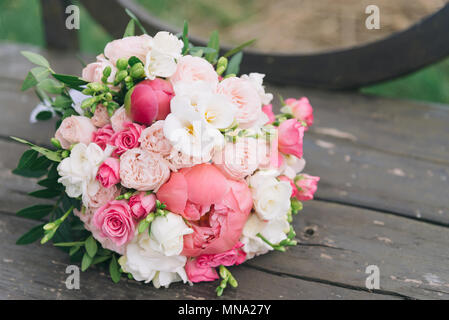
(217, 110)
(189, 133)
(274, 231)
(81, 167)
(256, 79)
(291, 166)
(167, 234)
(190, 93)
(146, 264)
(77, 98)
(160, 61)
(271, 197)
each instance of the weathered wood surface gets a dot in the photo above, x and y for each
(384, 167)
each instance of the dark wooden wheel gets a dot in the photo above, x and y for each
(401, 53)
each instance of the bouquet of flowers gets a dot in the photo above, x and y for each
(165, 164)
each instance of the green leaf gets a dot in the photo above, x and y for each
(44, 115)
(214, 43)
(45, 193)
(35, 58)
(69, 244)
(32, 235)
(73, 250)
(100, 259)
(86, 262)
(133, 60)
(27, 159)
(132, 16)
(62, 102)
(130, 29)
(239, 48)
(36, 212)
(29, 173)
(185, 39)
(71, 81)
(234, 64)
(91, 246)
(31, 166)
(33, 77)
(50, 183)
(114, 270)
(49, 154)
(143, 224)
(51, 86)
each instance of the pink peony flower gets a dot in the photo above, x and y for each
(238, 160)
(115, 222)
(307, 186)
(127, 139)
(93, 72)
(268, 110)
(153, 139)
(245, 97)
(198, 273)
(301, 110)
(75, 129)
(216, 207)
(234, 256)
(292, 184)
(141, 204)
(290, 140)
(190, 69)
(108, 173)
(103, 136)
(119, 119)
(143, 170)
(125, 48)
(178, 160)
(96, 195)
(100, 117)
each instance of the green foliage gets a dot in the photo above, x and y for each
(214, 43)
(234, 64)
(130, 29)
(31, 235)
(114, 270)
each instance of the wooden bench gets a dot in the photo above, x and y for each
(382, 200)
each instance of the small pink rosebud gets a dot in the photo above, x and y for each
(290, 139)
(292, 184)
(301, 109)
(307, 186)
(268, 110)
(108, 173)
(141, 204)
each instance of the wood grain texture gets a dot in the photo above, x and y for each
(38, 272)
(338, 242)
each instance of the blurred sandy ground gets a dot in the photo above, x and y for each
(305, 25)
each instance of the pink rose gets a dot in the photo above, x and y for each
(198, 273)
(93, 72)
(238, 160)
(234, 256)
(291, 134)
(96, 195)
(190, 69)
(103, 136)
(108, 173)
(143, 170)
(292, 184)
(75, 129)
(245, 97)
(100, 117)
(153, 139)
(307, 186)
(125, 48)
(115, 222)
(119, 119)
(141, 204)
(127, 139)
(268, 110)
(216, 207)
(301, 110)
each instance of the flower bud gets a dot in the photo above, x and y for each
(55, 142)
(107, 71)
(137, 71)
(122, 64)
(121, 75)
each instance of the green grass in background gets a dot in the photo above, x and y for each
(20, 21)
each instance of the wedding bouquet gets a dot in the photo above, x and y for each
(165, 164)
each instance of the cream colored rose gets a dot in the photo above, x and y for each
(100, 117)
(96, 195)
(178, 160)
(75, 129)
(143, 170)
(119, 118)
(125, 48)
(238, 160)
(152, 139)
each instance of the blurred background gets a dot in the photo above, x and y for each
(289, 26)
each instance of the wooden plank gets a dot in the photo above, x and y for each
(338, 243)
(408, 128)
(38, 272)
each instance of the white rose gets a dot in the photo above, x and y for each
(147, 265)
(167, 234)
(274, 231)
(271, 197)
(256, 79)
